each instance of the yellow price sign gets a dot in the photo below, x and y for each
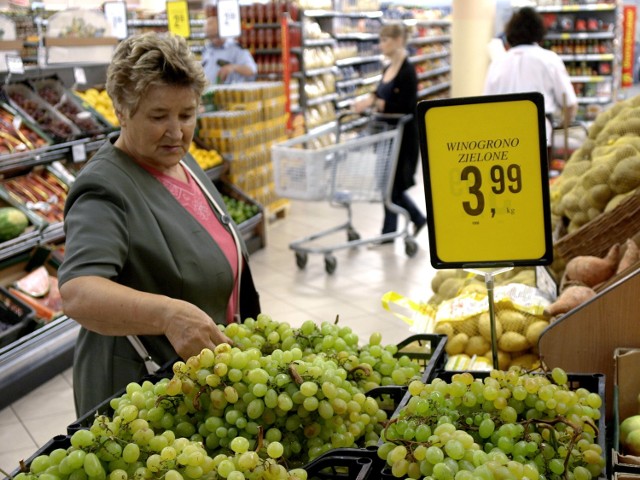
(178, 18)
(486, 180)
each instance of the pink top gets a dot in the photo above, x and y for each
(195, 202)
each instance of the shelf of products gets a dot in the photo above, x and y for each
(586, 36)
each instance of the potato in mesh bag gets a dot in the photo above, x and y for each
(626, 175)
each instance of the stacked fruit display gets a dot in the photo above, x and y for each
(40, 191)
(282, 396)
(206, 158)
(507, 425)
(603, 171)
(16, 135)
(100, 102)
(277, 399)
(53, 92)
(40, 112)
(240, 210)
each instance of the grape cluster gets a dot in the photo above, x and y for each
(369, 366)
(260, 409)
(511, 425)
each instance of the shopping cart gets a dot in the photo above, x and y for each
(353, 170)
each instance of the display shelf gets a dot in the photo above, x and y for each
(356, 36)
(359, 81)
(584, 339)
(581, 36)
(431, 39)
(434, 89)
(357, 60)
(428, 56)
(587, 37)
(35, 358)
(593, 7)
(433, 73)
(588, 57)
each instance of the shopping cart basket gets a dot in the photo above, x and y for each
(360, 169)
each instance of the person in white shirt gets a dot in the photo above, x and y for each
(223, 60)
(527, 67)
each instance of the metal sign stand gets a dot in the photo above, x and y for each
(489, 282)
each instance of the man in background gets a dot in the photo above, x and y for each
(225, 61)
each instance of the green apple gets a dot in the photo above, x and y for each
(628, 425)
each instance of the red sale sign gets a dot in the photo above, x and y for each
(629, 14)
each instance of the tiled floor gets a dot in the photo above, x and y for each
(353, 292)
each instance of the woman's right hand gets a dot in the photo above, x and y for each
(189, 329)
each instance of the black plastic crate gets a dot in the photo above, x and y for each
(16, 318)
(425, 348)
(389, 397)
(59, 441)
(345, 464)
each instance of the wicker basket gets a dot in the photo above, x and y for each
(600, 234)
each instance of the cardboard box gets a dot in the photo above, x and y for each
(626, 476)
(626, 391)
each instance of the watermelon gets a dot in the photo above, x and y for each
(13, 223)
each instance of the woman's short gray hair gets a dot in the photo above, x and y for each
(150, 59)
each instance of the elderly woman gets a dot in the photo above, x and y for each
(151, 254)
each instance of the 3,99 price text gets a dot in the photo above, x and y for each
(501, 180)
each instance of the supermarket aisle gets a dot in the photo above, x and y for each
(288, 294)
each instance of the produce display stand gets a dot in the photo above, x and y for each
(625, 397)
(584, 340)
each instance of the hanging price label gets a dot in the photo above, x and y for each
(178, 18)
(486, 180)
(79, 152)
(14, 64)
(116, 15)
(228, 18)
(79, 75)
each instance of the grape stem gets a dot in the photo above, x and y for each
(295, 375)
(196, 398)
(577, 433)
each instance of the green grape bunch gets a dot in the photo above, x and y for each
(369, 366)
(512, 425)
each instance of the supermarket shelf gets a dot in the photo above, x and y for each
(359, 81)
(433, 89)
(355, 60)
(588, 57)
(318, 100)
(136, 22)
(423, 22)
(433, 73)
(318, 71)
(267, 51)
(434, 39)
(428, 56)
(324, 128)
(31, 158)
(596, 7)
(359, 122)
(333, 13)
(252, 26)
(357, 36)
(581, 36)
(317, 42)
(218, 171)
(595, 100)
(591, 78)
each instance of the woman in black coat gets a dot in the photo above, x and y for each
(397, 93)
